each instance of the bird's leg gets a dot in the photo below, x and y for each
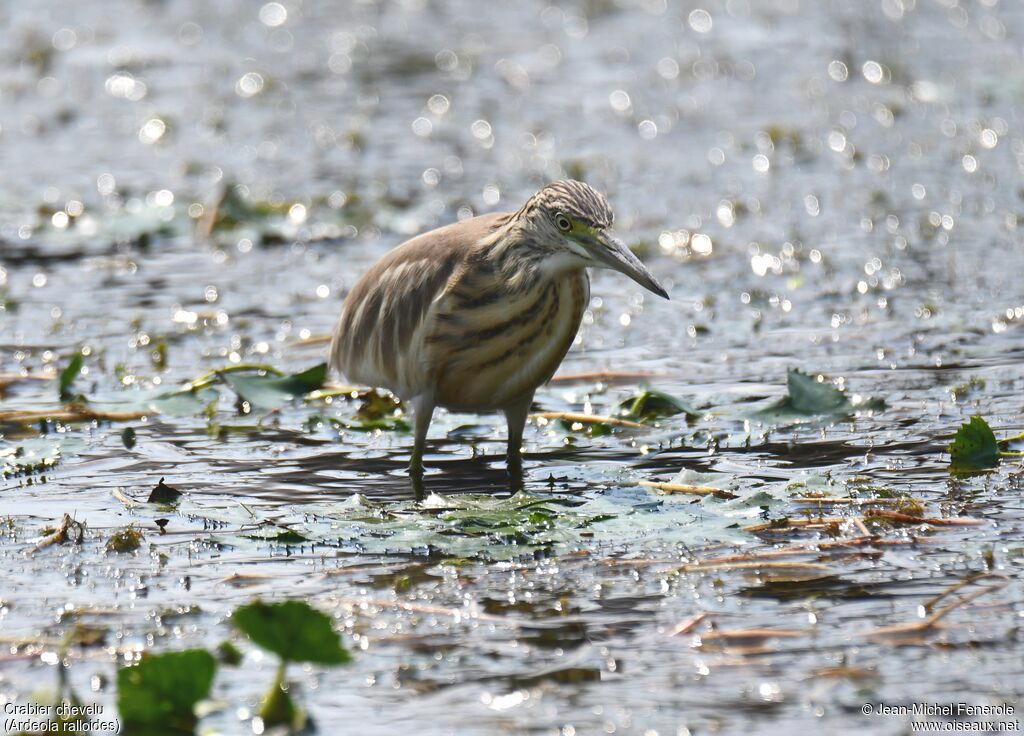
(423, 411)
(515, 415)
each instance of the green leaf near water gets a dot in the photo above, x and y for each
(163, 689)
(68, 376)
(180, 403)
(293, 630)
(808, 398)
(232, 210)
(974, 447)
(277, 708)
(229, 654)
(265, 391)
(280, 536)
(650, 404)
(126, 539)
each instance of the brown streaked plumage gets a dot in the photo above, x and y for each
(474, 316)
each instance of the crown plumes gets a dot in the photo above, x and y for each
(575, 199)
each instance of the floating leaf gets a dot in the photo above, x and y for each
(162, 690)
(650, 404)
(265, 391)
(964, 390)
(163, 493)
(974, 447)
(31, 457)
(181, 403)
(229, 654)
(375, 405)
(231, 210)
(293, 630)
(808, 398)
(484, 527)
(68, 376)
(281, 536)
(395, 424)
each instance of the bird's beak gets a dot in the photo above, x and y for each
(614, 254)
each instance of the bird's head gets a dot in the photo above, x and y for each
(572, 221)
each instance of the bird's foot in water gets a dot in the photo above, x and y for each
(514, 464)
(416, 478)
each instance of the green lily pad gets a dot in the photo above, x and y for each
(265, 391)
(974, 447)
(229, 654)
(281, 536)
(162, 690)
(182, 402)
(293, 630)
(232, 210)
(651, 404)
(31, 457)
(808, 399)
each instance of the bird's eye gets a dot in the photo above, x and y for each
(563, 223)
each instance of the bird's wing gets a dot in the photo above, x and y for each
(379, 336)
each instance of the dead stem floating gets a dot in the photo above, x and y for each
(753, 565)
(666, 487)
(68, 529)
(908, 519)
(927, 624)
(69, 414)
(604, 377)
(575, 418)
(685, 627)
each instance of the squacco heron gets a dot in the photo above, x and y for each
(474, 316)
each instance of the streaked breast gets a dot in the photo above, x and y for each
(492, 348)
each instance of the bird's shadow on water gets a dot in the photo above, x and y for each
(387, 478)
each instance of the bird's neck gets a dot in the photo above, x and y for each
(524, 261)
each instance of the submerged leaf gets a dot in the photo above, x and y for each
(974, 447)
(293, 630)
(163, 689)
